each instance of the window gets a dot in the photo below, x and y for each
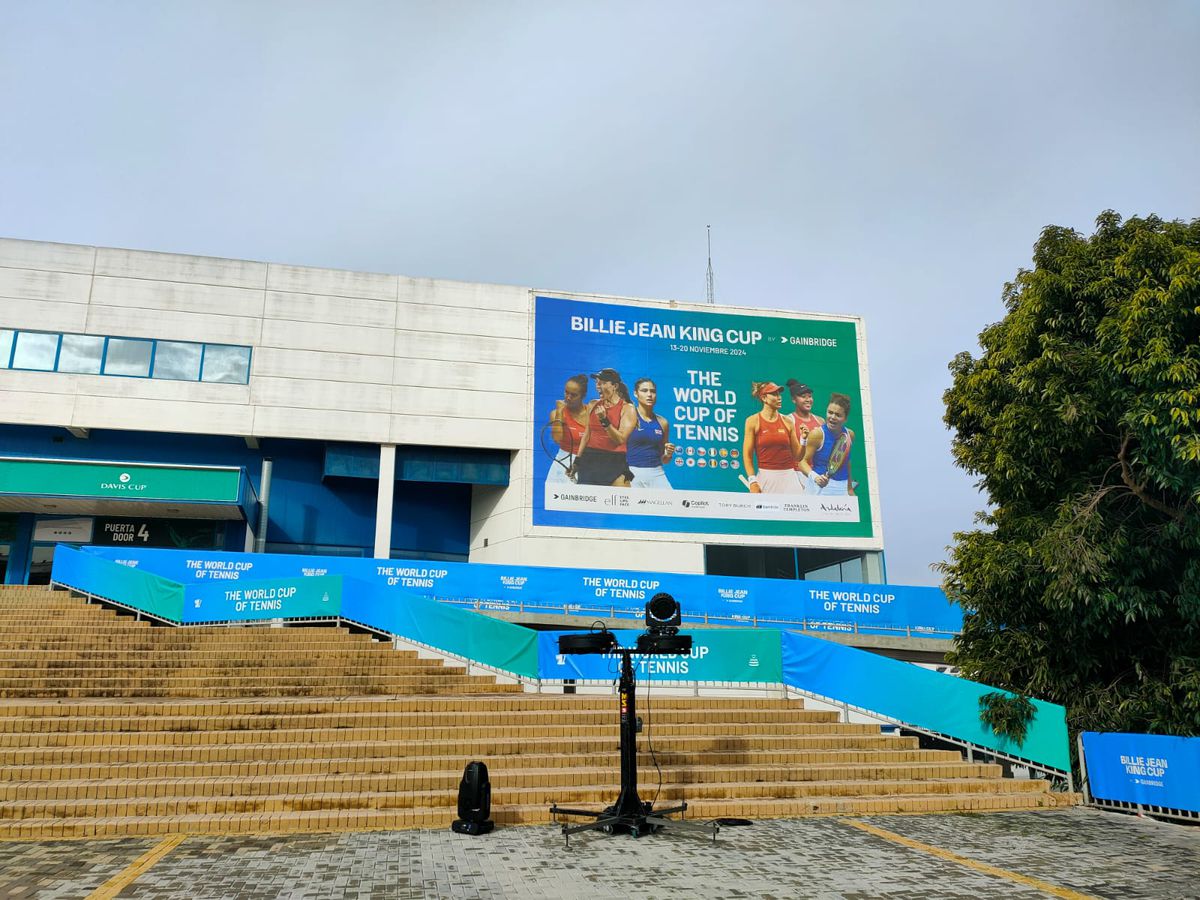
(128, 356)
(230, 365)
(35, 351)
(91, 354)
(81, 353)
(177, 360)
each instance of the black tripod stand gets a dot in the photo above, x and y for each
(630, 814)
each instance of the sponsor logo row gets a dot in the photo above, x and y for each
(702, 504)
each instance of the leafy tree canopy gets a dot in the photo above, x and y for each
(1081, 418)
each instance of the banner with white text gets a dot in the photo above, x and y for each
(686, 421)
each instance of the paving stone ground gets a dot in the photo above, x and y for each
(1089, 852)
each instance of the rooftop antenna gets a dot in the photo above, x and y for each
(710, 290)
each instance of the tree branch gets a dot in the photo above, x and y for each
(1138, 490)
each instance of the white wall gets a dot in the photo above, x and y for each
(338, 355)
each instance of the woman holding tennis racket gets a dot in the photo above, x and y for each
(648, 446)
(601, 458)
(827, 455)
(563, 434)
(770, 445)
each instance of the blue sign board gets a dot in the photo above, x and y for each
(1151, 769)
(718, 600)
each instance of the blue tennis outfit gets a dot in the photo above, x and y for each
(838, 481)
(643, 454)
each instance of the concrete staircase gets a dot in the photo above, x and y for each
(111, 727)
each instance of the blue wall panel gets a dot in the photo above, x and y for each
(306, 509)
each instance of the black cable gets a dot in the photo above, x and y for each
(650, 744)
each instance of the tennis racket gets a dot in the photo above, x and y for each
(559, 456)
(837, 456)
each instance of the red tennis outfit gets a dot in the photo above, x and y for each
(773, 445)
(572, 437)
(805, 426)
(600, 439)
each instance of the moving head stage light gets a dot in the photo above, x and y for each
(630, 814)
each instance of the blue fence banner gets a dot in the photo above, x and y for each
(718, 654)
(1150, 769)
(919, 697)
(775, 603)
(143, 590)
(276, 598)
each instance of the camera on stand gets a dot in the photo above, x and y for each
(630, 814)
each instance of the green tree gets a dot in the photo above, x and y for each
(1081, 418)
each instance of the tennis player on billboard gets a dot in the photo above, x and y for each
(827, 454)
(601, 458)
(771, 445)
(562, 436)
(648, 446)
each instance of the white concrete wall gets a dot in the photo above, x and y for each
(348, 356)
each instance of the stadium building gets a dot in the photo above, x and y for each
(163, 400)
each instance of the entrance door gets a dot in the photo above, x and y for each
(41, 563)
(5, 552)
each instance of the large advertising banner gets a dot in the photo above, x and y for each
(685, 421)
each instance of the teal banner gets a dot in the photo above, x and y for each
(725, 654)
(319, 596)
(477, 637)
(90, 574)
(915, 696)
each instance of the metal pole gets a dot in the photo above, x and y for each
(1087, 794)
(264, 506)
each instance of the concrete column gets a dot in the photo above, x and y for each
(383, 501)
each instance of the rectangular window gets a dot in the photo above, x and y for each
(81, 353)
(229, 365)
(128, 356)
(177, 360)
(852, 570)
(36, 351)
(6, 342)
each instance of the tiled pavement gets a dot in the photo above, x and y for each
(1090, 853)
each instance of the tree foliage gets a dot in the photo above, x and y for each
(1081, 418)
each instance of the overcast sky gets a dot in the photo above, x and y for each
(892, 160)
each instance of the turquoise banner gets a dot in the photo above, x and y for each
(477, 637)
(91, 574)
(274, 598)
(725, 654)
(915, 696)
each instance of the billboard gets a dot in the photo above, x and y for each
(699, 422)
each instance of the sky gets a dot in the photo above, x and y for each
(891, 160)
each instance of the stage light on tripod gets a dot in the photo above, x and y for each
(663, 615)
